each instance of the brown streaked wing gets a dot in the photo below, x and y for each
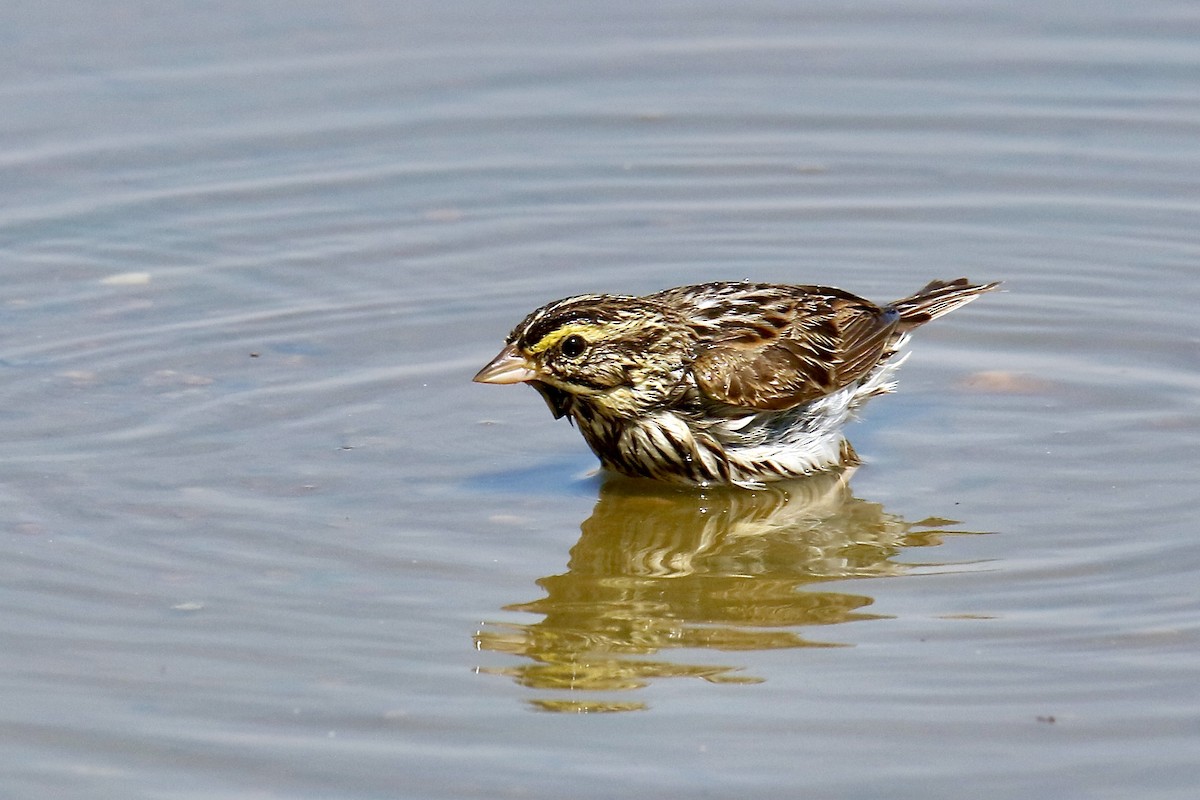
(831, 341)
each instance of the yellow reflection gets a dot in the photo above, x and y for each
(728, 569)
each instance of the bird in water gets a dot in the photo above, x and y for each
(718, 383)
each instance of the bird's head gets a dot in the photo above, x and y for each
(619, 356)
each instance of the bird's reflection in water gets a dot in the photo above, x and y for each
(729, 569)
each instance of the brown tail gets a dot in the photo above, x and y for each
(936, 299)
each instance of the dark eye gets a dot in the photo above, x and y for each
(573, 346)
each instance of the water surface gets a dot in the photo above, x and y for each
(263, 538)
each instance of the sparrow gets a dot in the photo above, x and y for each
(718, 383)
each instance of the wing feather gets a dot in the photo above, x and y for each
(817, 342)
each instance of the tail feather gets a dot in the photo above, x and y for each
(937, 298)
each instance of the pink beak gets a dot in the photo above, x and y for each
(508, 367)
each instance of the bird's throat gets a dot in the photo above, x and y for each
(558, 400)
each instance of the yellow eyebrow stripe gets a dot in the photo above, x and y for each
(570, 329)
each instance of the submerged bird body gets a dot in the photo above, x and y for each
(728, 382)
